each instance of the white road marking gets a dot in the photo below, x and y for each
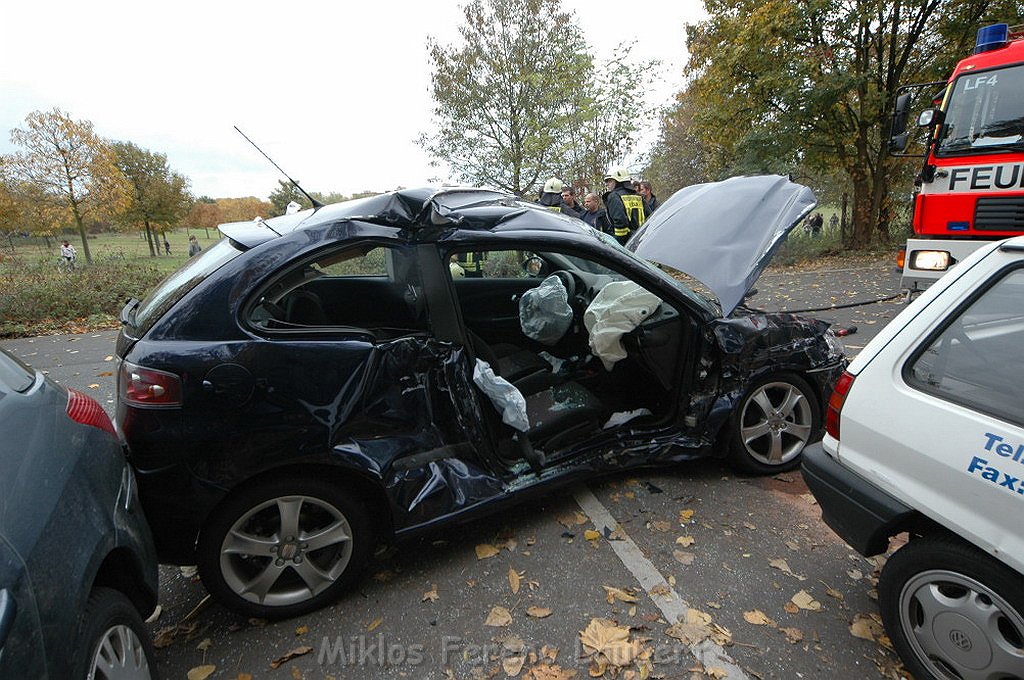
(672, 607)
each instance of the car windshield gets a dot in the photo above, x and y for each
(702, 300)
(985, 113)
(175, 286)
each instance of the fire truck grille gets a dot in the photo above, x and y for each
(999, 214)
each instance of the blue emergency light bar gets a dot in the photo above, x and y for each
(992, 38)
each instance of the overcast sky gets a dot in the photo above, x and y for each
(335, 92)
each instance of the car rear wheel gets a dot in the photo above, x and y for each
(953, 611)
(284, 547)
(774, 421)
(113, 643)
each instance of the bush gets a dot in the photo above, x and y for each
(36, 298)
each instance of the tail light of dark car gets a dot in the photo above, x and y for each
(84, 410)
(148, 387)
(835, 403)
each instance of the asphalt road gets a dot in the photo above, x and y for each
(748, 558)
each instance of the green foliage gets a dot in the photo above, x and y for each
(807, 87)
(37, 299)
(159, 196)
(519, 99)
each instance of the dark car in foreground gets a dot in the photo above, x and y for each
(78, 569)
(321, 382)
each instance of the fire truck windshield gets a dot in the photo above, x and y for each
(985, 113)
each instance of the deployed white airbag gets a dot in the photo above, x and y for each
(615, 311)
(505, 396)
(544, 311)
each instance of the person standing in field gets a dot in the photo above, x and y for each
(193, 246)
(68, 255)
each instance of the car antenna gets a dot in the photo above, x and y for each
(316, 203)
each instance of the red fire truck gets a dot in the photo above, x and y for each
(971, 188)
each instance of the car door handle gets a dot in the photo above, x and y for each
(8, 610)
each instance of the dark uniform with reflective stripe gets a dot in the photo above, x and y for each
(625, 211)
(472, 263)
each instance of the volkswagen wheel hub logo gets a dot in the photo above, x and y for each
(960, 639)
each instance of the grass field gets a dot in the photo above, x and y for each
(37, 298)
(106, 247)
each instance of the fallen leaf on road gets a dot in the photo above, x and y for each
(201, 672)
(865, 627)
(486, 550)
(592, 536)
(373, 624)
(855, 574)
(783, 566)
(683, 557)
(104, 374)
(296, 673)
(685, 541)
(661, 589)
(547, 671)
(431, 594)
(716, 672)
(499, 617)
(513, 664)
(611, 594)
(686, 515)
(570, 519)
(804, 600)
(660, 525)
(758, 618)
(832, 592)
(538, 612)
(514, 579)
(109, 357)
(793, 635)
(793, 545)
(606, 642)
(298, 651)
(791, 608)
(205, 644)
(93, 386)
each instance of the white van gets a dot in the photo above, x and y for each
(925, 435)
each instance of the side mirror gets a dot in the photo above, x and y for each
(930, 118)
(899, 138)
(533, 266)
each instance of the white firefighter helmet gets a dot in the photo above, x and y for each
(617, 173)
(553, 186)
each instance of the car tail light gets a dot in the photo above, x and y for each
(84, 409)
(140, 386)
(835, 403)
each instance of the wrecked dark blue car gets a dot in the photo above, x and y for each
(322, 382)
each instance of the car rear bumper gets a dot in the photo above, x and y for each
(859, 512)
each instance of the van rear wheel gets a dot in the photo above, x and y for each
(953, 611)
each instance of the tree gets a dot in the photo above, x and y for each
(205, 215)
(71, 166)
(678, 158)
(285, 193)
(159, 196)
(810, 84)
(508, 97)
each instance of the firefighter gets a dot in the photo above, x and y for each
(551, 196)
(624, 205)
(472, 264)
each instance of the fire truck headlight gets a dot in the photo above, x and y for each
(932, 260)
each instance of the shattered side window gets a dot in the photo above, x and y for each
(370, 289)
(491, 264)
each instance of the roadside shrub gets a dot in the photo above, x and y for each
(36, 298)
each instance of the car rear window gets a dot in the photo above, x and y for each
(175, 286)
(14, 375)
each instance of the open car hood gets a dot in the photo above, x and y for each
(724, 233)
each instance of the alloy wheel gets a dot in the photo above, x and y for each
(119, 655)
(776, 423)
(286, 550)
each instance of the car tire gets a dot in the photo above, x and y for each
(938, 595)
(252, 567)
(113, 641)
(772, 423)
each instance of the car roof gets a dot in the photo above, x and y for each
(415, 209)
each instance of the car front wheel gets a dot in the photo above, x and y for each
(953, 611)
(113, 643)
(776, 418)
(284, 547)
